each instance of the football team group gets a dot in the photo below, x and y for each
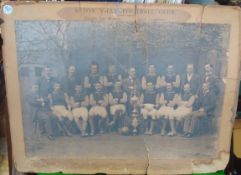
(169, 104)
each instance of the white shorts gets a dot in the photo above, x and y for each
(117, 107)
(149, 110)
(98, 110)
(166, 111)
(81, 112)
(181, 112)
(60, 111)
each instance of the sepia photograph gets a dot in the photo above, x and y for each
(121, 88)
(85, 82)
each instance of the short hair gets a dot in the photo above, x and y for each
(94, 63)
(169, 84)
(187, 84)
(209, 65)
(189, 64)
(71, 65)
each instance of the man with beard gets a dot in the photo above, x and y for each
(40, 112)
(93, 78)
(98, 103)
(148, 101)
(203, 107)
(61, 108)
(117, 101)
(79, 101)
(111, 78)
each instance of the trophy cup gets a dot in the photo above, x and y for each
(135, 112)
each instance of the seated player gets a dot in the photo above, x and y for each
(148, 102)
(79, 103)
(98, 103)
(168, 101)
(204, 107)
(61, 108)
(40, 113)
(111, 78)
(117, 101)
(185, 103)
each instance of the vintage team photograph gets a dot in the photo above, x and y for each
(89, 85)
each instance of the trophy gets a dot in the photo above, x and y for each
(135, 113)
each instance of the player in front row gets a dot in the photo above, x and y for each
(184, 106)
(98, 103)
(148, 101)
(60, 107)
(168, 102)
(117, 101)
(79, 103)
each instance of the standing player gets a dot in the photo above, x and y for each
(117, 101)
(61, 108)
(151, 76)
(98, 103)
(79, 103)
(69, 82)
(148, 102)
(111, 78)
(168, 102)
(93, 78)
(171, 77)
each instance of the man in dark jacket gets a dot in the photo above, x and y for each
(46, 82)
(40, 112)
(190, 78)
(204, 107)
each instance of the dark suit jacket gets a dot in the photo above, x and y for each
(194, 82)
(206, 101)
